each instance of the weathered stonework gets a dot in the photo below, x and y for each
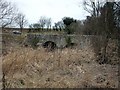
(82, 41)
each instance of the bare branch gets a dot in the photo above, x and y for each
(93, 7)
(20, 20)
(6, 13)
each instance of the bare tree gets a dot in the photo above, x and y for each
(56, 26)
(102, 19)
(7, 13)
(20, 20)
(42, 21)
(48, 23)
(60, 25)
(93, 6)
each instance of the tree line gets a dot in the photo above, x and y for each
(46, 23)
(67, 24)
(104, 19)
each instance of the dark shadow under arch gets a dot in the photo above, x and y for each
(49, 45)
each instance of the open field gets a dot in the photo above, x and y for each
(25, 67)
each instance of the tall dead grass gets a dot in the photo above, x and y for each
(20, 57)
(37, 68)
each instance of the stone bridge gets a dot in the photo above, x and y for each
(81, 41)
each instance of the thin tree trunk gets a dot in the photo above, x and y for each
(104, 52)
(3, 81)
(21, 29)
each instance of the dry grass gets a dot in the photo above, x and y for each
(29, 68)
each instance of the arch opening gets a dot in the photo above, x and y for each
(49, 45)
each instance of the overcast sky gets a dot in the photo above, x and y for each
(55, 9)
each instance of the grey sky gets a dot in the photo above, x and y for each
(56, 9)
